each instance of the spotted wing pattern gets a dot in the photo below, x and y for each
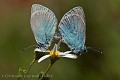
(72, 28)
(43, 24)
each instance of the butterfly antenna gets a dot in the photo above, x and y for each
(99, 50)
(29, 47)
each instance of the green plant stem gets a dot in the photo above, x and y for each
(48, 69)
(50, 65)
(33, 61)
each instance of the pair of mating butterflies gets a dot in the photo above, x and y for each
(72, 28)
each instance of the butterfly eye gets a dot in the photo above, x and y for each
(85, 50)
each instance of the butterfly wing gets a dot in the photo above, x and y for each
(43, 24)
(72, 28)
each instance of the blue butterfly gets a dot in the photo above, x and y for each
(72, 29)
(43, 24)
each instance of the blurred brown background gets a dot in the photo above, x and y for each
(103, 31)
